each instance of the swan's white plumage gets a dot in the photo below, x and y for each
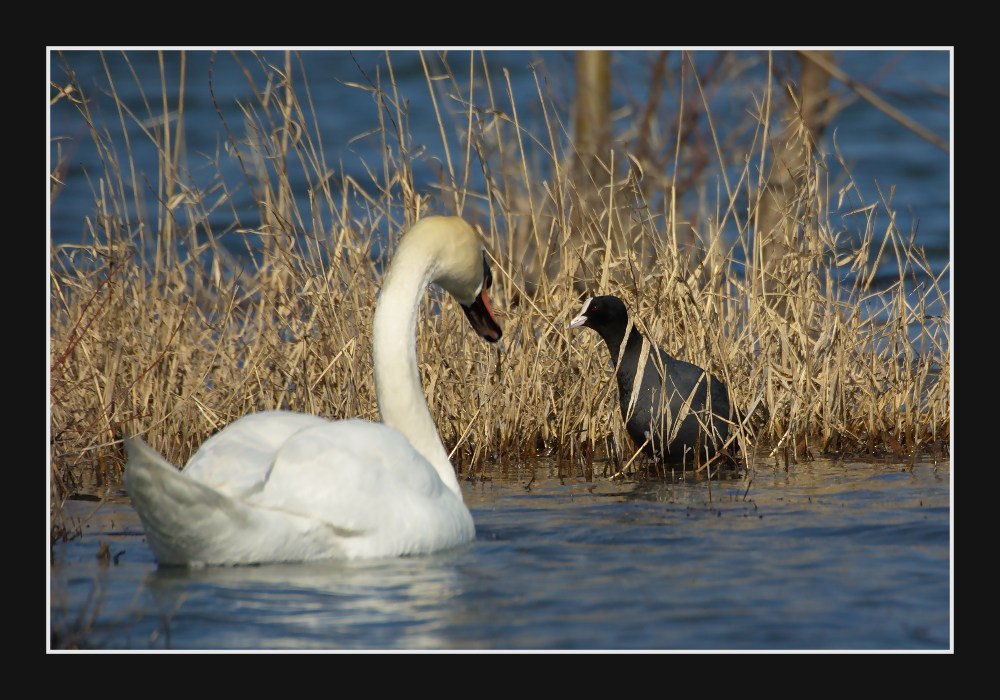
(280, 486)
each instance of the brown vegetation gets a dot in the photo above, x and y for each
(157, 329)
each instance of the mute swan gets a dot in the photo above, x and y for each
(676, 430)
(280, 486)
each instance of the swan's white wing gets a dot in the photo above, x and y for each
(344, 489)
(366, 478)
(188, 523)
(237, 460)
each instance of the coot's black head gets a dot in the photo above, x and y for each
(607, 315)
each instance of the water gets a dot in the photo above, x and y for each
(826, 556)
(879, 151)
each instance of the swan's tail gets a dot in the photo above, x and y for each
(190, 524)
(183, 518)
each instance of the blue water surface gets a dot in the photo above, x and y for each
(827, 556)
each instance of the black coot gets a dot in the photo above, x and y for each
(691, 416)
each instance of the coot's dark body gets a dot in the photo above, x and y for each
(648, 416)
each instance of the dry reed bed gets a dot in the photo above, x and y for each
(156, 329)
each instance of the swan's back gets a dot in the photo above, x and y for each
(237, 460)
(332, 490)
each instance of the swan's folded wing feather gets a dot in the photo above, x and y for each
(366, 477)
(237, 461)
(188, 523)
(347, 469)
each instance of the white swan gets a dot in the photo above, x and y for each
(280, 486)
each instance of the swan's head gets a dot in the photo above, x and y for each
(460, 267)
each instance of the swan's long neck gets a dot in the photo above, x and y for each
(397, 377)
